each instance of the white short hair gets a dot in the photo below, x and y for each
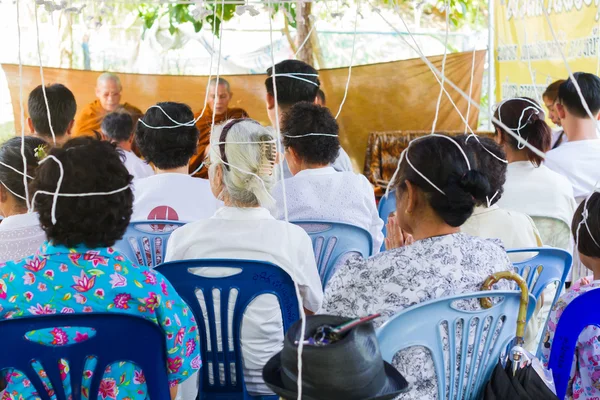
(245, 179)
(109, 76)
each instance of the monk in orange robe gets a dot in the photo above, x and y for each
(204, 124)
(108, 93)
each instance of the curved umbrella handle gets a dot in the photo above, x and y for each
(486, 302)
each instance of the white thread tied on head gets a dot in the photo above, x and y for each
(534, 106)
(57, 193)
(295, 76)
(584, 218)
(485, 148)
(311, 134)
(404, 155)
(18, 172)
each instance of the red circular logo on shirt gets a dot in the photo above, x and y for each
(164, 213)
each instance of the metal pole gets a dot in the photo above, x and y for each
(491, 61)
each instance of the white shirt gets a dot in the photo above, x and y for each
(323, 194)
(341, 164)
(516, 230)
(20, 236)
(579, 162)
(253, 234)
(136, 167)
(538, 192)
(172, 196)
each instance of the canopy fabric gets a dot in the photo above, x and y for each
(400, 95)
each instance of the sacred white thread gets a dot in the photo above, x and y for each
(404, 155)
(351, 60)
(286, 215)
(575, 83)
(531, 74)
(212, 47)
(214, 114)
(14, 169)
(311, 134)
(312, 28)
(21, 101)
(454, 86)
(471, 86)
(9, 189)
(292, 75)
(37, 34)
(439, 100)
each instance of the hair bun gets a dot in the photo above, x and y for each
(476, 184)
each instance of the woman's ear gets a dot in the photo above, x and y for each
(498, 137)
(411, 197)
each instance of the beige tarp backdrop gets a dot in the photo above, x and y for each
(399, 95)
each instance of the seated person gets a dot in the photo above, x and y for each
(171, 194)
(436, 193)
(584, 372)
(531, 187)
(516, 230)
(62, 111)
(80, 232)
(222, 113)
(578, 159)
(296, 81)
(108, 92)
(117, 127)
(317, 191)
(242, 176)
(549, 97)
(20, 231)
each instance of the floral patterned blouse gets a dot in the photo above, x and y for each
(79, 280)
(585, 372)
(394, 280)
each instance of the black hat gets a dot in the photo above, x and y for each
(349, 369)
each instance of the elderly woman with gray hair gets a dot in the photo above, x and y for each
(242, 171)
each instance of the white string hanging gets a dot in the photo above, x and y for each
(22, 106)
(351, 60)
(439, 100)
(286, 215)
(37, 34)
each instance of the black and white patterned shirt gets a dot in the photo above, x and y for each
(394, 280)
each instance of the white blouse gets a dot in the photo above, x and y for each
(538, 192)
(323, 194)
(253, 234)
(20, 236)
(391, 281)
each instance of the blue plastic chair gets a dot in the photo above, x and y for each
(419, 325)
(387, 205)
(145, 242)
(332, 241)
(582, 311)
(550, 265)
(250, 279)
(18, 352)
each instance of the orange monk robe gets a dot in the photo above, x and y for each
(204, 124)
(90, 118)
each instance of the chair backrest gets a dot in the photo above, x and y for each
(422, 325)
(548, 265)
(145, 242)
(333, 242)
(247, 280)
(19, 352)
(387, 205)
(581, 312)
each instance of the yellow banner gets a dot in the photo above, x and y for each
(528, 58)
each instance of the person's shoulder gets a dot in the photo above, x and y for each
(237, 113)
(91, 109)
(467, 240)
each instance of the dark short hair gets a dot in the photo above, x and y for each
(62, 109)
(590, 89)
(304, 118)
(289, 89)
(443, 164)
(167, 148)
(585, 242)
(480, 150)
(551, 91)
(514, 113)
(321, 95)
(118, 126)
(94, 221)
(10, 153)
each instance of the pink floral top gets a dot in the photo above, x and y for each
(585, 372)
(62, 280)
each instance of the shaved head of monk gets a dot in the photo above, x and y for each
(108, 91)
(221, 88)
